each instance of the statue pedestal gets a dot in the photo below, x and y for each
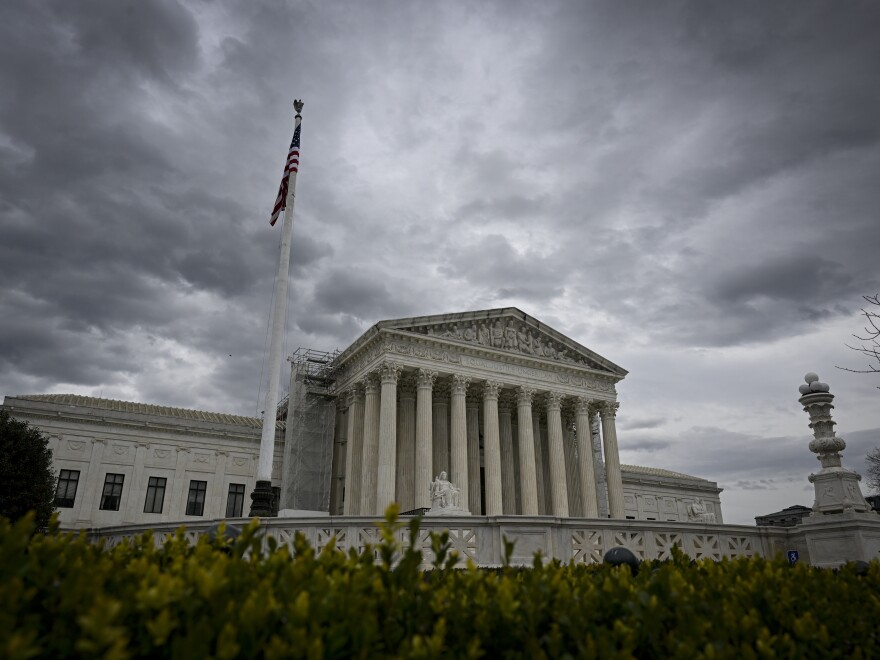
(447, 511)
(445, 498)
(837, 490)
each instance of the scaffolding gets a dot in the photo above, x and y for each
(310, 410)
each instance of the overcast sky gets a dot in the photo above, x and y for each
(692, 190)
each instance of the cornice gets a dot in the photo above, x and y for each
(110, 421)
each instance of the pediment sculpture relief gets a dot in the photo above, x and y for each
(507, 335)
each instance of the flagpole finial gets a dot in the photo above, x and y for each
(298, 106)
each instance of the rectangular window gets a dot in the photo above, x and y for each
(112, 495)
(155, 495)
(65, 493)
(235, 501)
(195, 501)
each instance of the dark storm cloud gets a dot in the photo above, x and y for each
(643, 423)
(495, 266)
(746, 98)
(692, 174)
(49, 350)
(114, 217)
(358, 294)
(635, 443)
(744, 460)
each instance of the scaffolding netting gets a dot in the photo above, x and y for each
(311, 417)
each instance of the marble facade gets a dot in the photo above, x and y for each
(209, 455)
(520, 417)
(508, 407)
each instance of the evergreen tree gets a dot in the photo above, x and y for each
(25, 471)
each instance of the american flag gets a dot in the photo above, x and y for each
(290, 166)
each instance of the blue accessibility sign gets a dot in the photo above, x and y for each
(793, 557)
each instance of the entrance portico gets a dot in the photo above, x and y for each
(502, 402)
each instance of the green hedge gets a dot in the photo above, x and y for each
(62, 596)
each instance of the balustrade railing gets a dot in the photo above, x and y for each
(482, 540)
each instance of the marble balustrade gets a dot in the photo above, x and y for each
(481, 539)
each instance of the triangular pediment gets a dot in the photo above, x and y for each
(509, 330)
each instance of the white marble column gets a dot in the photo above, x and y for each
(613, 477)
(528, 482)
(354, 456)
(458, 438)
(370, 468)
(492, 448)
(545, 448)
(406, 445)
(337, 466)
(589, 497)
(93, 487)
(598, 459)
(558, 489)
(440, 428)
(386, 489)
(539, 462)
(572, 474)
(473, 451)
(424, 442)
(514, 432)
(508, 466)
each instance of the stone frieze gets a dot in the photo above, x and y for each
(507, 335)
(441, 354)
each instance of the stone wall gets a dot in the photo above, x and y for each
(829, 542)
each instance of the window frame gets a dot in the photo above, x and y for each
(70, 479)
(112, 491)
(235, 503)
(195, 506)
(154, 489)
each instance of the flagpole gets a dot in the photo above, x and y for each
(261, 498)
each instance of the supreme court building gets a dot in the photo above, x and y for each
(520, 417)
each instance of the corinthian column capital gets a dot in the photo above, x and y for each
(491, 389)
(371, 383)
(390, 372)
(609, 408)
(460, 383)
(525, 395)
(426, 378)
(582, 405)
(354, 394)
(554, 400)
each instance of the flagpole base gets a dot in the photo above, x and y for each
(263, 500)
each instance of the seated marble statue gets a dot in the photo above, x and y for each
(443, 494)
(697, 512)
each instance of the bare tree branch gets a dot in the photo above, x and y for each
(873, 471)
(870, 342)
